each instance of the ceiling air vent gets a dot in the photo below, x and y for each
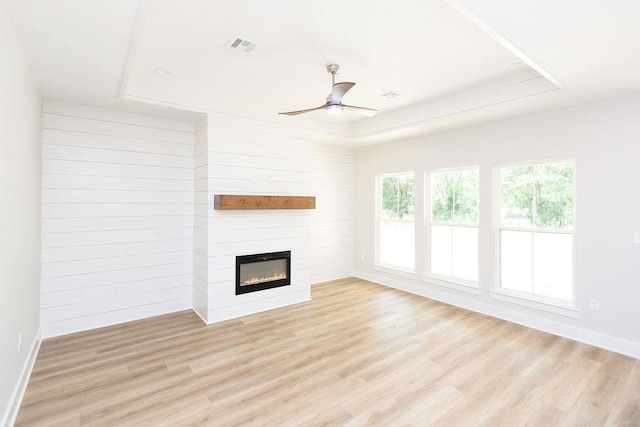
(391, 94)
(240, 44)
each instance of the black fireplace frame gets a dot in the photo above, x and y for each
(247, 259)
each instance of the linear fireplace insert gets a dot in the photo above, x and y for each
(262, 271)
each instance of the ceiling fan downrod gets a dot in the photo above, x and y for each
(333, 69)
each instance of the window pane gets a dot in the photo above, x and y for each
(406, 200)
(465, 253)
(442, 197)
(454, 252)
(554, 196)
(516, 196)
(537, 196)
(552, 265)
(516, 255)
(397, 245)
(441, 241)
(454, 197)
(466, 195)
(396, 224)
(388, 238)
(390, 197)
(397, 197)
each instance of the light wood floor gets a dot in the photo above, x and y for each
(358, 354)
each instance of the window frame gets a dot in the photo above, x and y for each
(379, 265)
(440, 279)
(556, 305)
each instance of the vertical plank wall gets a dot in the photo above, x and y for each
(332, 223)
(117, 217)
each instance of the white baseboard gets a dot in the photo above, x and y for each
(618, 345)
(111, 318)
(10, 416)
(199, 315)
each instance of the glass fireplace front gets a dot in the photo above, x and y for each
(262, 271)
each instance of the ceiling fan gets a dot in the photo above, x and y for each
(334, 103)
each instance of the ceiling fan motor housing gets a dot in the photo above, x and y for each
(334, 103)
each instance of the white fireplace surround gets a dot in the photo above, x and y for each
(236, 156)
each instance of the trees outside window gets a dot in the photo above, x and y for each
(535, 232)
(396, 221)
(453, 228)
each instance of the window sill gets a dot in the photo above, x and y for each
(453, 284)
(563, 309)
(398, 271)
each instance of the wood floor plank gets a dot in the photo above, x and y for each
(357, 354)
(626, 411)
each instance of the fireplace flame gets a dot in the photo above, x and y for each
(256, 280)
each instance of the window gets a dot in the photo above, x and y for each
(535, 232)
(453, 228)
(395, 225)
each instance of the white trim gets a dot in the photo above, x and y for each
(399, 221)
(453, 224)
(538, 162)
(199, 315)
(142, 17)
(454, 169)
(398, 271)
(487, 28)
(396, 174)
(9, 418)
(101, 320)
(533, 301)
(607, 342)
(536, 230)
(447, 282)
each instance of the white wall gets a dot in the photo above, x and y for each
(117, 217)
(20, 115)
(255, 157)
(604, 138)
(332, 222)
(201, 207)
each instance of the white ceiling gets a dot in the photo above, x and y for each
(78, 50)
(451, 61)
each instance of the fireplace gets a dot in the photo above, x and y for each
(262, 271)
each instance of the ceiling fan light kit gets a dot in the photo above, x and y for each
(334, 103)
(333, 109)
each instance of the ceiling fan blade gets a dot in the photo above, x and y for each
(295, 113)
(369, 112)
(339, 90)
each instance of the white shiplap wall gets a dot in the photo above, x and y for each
(332, 222)
(255, 157)
(201, 208)
(117, 217)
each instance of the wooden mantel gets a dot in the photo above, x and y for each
(226, 202)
